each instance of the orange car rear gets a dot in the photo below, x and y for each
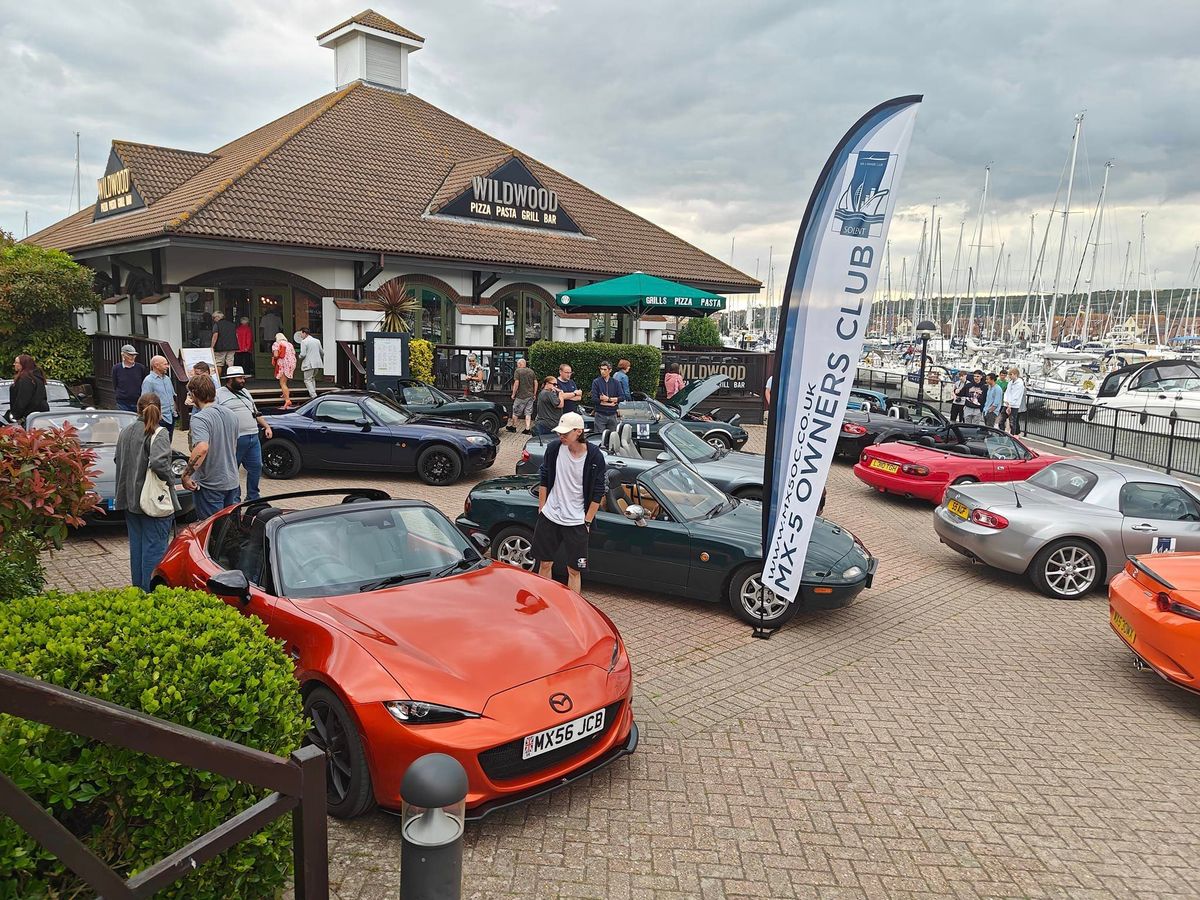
(1154, 606)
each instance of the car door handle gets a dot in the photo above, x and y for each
(1143, 527)
(616, 464)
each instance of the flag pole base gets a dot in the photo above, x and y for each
(763, 634)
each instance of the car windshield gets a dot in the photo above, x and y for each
(96, 429)
(690, 495)
(385, 412)
(683, 442)
(365, 549)
(1065, 479)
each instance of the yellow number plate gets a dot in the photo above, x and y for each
(958, 509)
(1123, 628)
(890, 468)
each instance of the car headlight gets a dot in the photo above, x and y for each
(616, 655)
(418, 712)
(852, 573)
(478, 439)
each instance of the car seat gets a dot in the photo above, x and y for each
(106, 430)
(926, 440)
(616, 497)
(626, 446)
(254, 550)
(610, 441)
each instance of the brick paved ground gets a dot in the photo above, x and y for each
(951, 734)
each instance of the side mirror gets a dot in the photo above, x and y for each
(637, 513)
(232, 584)
(481, 540)
(663, 457)
(363, 423)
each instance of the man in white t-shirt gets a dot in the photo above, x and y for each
(572, 485)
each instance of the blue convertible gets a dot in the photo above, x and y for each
(359, 430)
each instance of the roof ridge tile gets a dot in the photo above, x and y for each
(276, 145)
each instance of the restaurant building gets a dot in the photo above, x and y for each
(297, 223)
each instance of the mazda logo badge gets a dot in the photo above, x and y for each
(560, 702)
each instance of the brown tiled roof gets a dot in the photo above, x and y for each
(159, 170)
(460, 176)
(372, 19)
(356, 170)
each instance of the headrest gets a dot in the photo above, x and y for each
(612, 478)
(626, 432)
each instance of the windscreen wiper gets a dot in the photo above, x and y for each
(391, 580)
(463, 563)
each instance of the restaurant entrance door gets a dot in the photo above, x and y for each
(271, 313)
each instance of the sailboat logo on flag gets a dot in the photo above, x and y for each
(861, 207)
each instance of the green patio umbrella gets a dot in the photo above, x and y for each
(639, 294)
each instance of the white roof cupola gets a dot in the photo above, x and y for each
(373, 49)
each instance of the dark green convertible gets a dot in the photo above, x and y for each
(669, 530)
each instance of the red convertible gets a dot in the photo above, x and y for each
(967, 453)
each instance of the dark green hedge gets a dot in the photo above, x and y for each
(645, 362)
(177, 654)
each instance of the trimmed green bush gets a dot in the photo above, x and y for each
(699, 332)
(21, 572)
(645, 362)
(177, 654)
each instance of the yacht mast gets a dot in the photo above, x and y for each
(1062, 242)
(1087, 310)
(987, 172)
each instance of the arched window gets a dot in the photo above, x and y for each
(524, 318)
(434, 320)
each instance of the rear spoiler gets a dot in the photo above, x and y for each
(1146, 570)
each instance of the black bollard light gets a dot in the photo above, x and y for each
(434, 791)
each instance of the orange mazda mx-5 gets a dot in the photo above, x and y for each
(1154, 606)
(408, 640)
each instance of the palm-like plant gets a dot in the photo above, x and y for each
(397, 304)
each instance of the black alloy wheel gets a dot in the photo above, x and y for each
(280, 458)
(490, 423)
(347, 778)
(439, 465)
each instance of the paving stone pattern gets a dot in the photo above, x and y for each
(952, 733)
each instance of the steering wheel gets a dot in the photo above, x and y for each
(1176, 509)
(928, 420)
(325, 559)
(1005, 453)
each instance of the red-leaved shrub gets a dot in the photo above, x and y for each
(45, 483)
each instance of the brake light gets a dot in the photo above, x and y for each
(914, 469)
(524, 456)
(1165, 604)
(865, 457)
(852, 429)
(988, 519)
(467, 505)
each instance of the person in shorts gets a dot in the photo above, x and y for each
(569, 495)
(224, 342)
(524, 387)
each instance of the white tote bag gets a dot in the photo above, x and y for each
(155, 499)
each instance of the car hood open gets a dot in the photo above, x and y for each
(460, 640)
(694, 393)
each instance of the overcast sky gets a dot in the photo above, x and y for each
(712, 119)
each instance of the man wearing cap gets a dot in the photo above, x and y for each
(224, 342)
(572, 485)
(127, 378)
(159, 382)
(235, 398)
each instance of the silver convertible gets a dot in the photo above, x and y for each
(735, 472)
(1070, 526)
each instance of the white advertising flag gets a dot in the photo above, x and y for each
(822, 324)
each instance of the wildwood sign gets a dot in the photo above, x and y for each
(512, 195)
(747, 372)
(115, 190)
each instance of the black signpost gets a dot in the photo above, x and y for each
(387, 359)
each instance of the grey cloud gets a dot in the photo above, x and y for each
(719, 115)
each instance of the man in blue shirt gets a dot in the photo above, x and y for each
(606, 398)
(995, 400)
(159, 382)
(571, 394)
(622, 376)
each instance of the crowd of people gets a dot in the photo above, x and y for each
(995, 400)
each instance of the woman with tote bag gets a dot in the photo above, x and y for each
(146, 489)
